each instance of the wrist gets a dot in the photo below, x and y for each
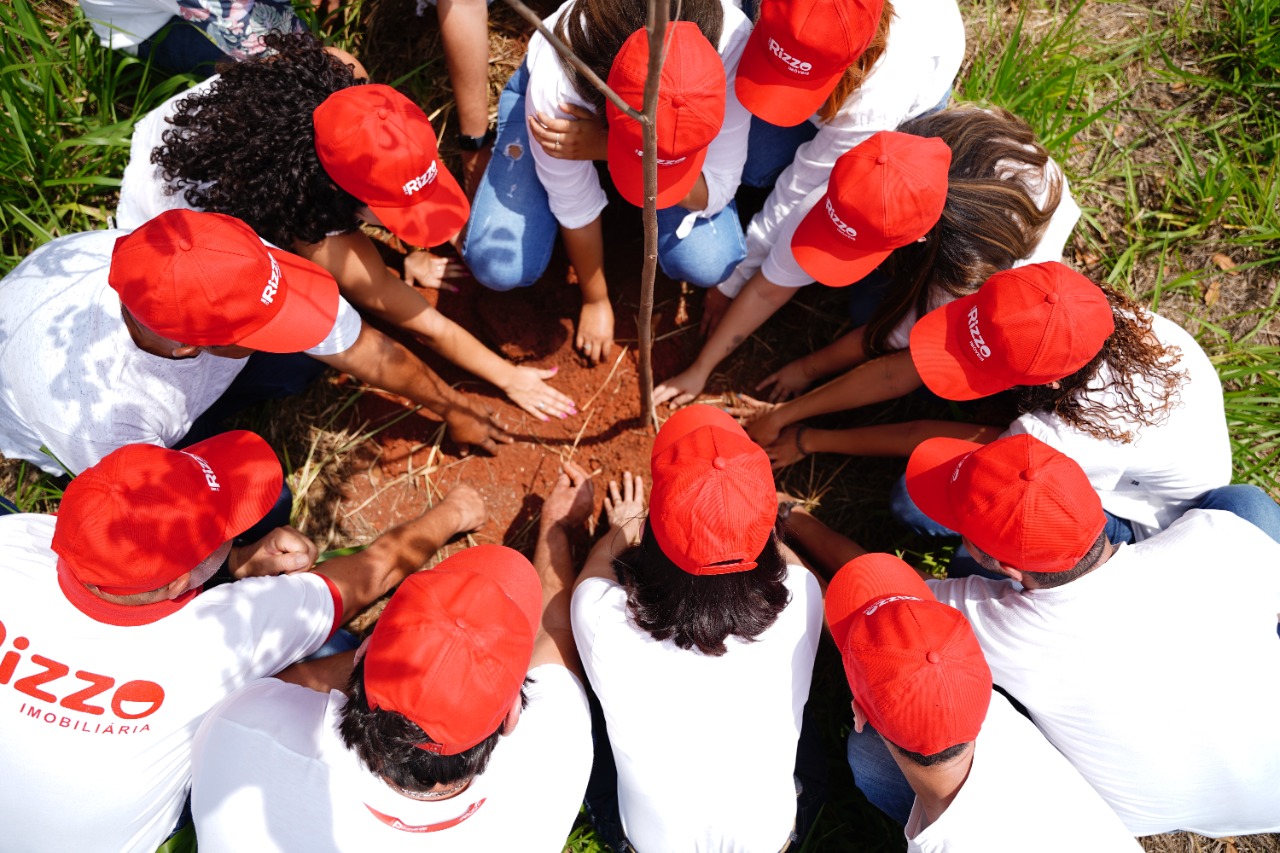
(468, 143)
(800, 432)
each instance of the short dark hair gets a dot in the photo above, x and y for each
(246, 146)
(1086, 564)
(702, 611)
(387, 743)
(936, 758)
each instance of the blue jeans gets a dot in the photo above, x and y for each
(1249, 502)
(878, 776)
(512, 230)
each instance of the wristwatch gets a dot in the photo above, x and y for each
(475, 143)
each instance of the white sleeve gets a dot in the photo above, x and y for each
(591, 602)
(278, 620)
(727, 153)
(780, 266)
(346, 328)
(78, 452)
(573, 188)
(142, 188)
(1102, 460)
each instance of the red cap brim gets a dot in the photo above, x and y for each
(776, 97)
(864, 579)
(929, 473)
(307, 314)
(812, 247)
(627, 172)
(434, 220)
(938, 350)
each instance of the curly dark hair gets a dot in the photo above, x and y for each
(701, 611)
(596, 29)
(387, 743)
(246, 147)
(990, 220)
(1130, 365)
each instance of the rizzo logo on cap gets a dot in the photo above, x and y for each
(273, 284)
(793, 64)
(209, 476)
(425, 179)
(882, 602)
(846, 230)
(661, 162)
(980, 348)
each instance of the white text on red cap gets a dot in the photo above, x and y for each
(980, 348)
(882, 602)
(793, 64)
(209, 476)
(425, 179)
(846, 230)
(273, 283)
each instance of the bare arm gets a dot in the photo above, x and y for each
(585, 247)
(464, 31)
(625, 508)
(568, 505)
(363, 578)
(381, 362)
(757, 302)
(844, 353)
(879, 440)
(322, 674)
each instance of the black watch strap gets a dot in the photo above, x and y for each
(475, 143)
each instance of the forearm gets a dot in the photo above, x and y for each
(377, 360)
(464, 31)
(322, 674)
(553, 559)
(757, 302)
(826, 549)
(844, 353)
(884, 378)
(892, 439)
(463, 349)
(585, 247)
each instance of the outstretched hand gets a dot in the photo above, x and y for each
(432, 272)
(528, 391)
(283, 551)
(470, 428)
(625, 507)
(681, 389)
(571, 500)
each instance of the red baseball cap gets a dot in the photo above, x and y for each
(913, 664)
(713, 504)
(797, 52)
(690, 112)
(1026, 326)
(883, 194)
(1019, 500)
(206, 279)
(379, 146)
(452, 648)
(145, 514)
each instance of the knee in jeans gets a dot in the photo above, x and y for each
(496, 268)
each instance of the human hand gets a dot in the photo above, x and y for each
(595, 331)
(283, 551)
(625, 507)
(714, 307)
(471, 428)
(468, 506)
(431, 271)
(527, 390)
(762, 420)
(786, 449)
(571, 500)
(786, 382)
(681, 389)
(582, 137)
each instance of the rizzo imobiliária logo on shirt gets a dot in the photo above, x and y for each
(97, 702)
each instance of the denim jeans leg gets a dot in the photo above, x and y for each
(771, 148)
(810, 775)
(512, 231)
(1119, 530)
(904, 509)
(878, 776)
(1249, 502)
(708, 254)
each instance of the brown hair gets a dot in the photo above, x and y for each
(990, 220)
(1135, 362)
(596, 29)
(856, 74)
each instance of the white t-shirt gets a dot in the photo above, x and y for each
(705, 746)
(272, 773)
(142, 188)
(96, 720)
(926, 47)
(573, 187)
(1169, 465)
(1154, 674)
(71, 377)
(1020, 795)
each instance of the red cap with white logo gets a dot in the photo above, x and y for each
(690, 112)
(797, 52)
(883, 194)
(144, 515)
(913, 664)
(1018, 499)
(379, 146)
(1026, 326)
(205, 279)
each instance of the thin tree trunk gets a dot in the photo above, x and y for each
(659, 14)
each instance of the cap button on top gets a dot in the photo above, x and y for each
(718, 463)
(882, 159)
(1051, 298)
(933, 657)
(1030, 474)
(184, 244)
(383, 112)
